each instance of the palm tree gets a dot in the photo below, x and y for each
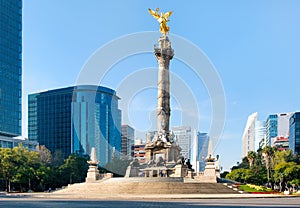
(251, 156)
(268, 153)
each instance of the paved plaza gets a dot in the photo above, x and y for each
(41, 201)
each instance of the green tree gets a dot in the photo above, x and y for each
(75, 167)
(282, 156)
(268, 153)
(46, 177)
(251, 157)
(285, 172)
(27, 163)
(237, 175)
(224, 174)
(7, 166)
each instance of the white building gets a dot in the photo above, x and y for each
(283, 128)
(248, 140)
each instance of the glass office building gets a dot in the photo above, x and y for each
(127, 146)
(294, 138)
(10, 66)
(199, 150)
(49, 119)
(183, 139)
(75, 119)
(271, 128)
(96, 122)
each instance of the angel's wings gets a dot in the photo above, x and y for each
(154, 14)
(168, 14)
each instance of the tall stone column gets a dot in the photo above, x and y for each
(164, 53)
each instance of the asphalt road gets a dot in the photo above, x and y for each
(182, 203)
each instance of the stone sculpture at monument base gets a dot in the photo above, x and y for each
(93, 173)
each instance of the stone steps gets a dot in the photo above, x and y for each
(123, 186)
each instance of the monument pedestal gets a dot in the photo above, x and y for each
(92, 174)
(210, 173)
(169, 152)
(180, 170)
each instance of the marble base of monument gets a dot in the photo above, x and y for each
(180, 170)
(209, 174)
(92, 174)
(161, 171)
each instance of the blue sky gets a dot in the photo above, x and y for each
(254, 46)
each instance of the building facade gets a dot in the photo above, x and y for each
(75, 119)
(10, 66)
(199, 150)
(259, 134)
(271, 128)
(127, 141)
(294, 137)
(283, 129)
(6, 141)
(248, 140)
(277, 125)
(183, 139)
(281, 143)
(139, 152)
(49, 119)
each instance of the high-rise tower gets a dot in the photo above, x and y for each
(10, 66)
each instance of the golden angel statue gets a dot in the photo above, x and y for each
(162, 18)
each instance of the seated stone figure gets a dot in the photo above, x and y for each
(180, 160)
(189, 165)
(160, 162)
(134, 163)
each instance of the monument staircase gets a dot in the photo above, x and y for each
(146, 186)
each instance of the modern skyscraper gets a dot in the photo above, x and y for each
(127, 141)
(271, 131)
(10, 66)
(183, 138)
(49, 119)
(203, 139)
(277, 125)
(199, 150)
(294, 138)
(75, 119)
(96, 122)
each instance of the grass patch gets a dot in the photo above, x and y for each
(248, 189)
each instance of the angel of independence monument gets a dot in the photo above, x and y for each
(165, 171)
(162, 151)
